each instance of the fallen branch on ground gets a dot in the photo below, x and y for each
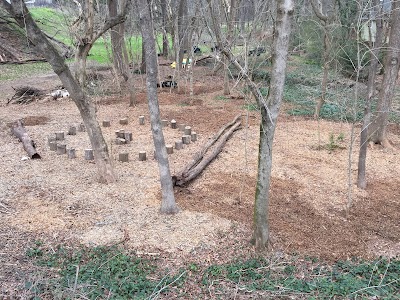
(25, 95)
(200, 160)
(19, 131)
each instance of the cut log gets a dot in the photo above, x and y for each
(120, 141)
(173, 124)
(141, 120)
(61, 149)
(170, 149)
(200, 160)
(19, 131)
(51, 138)
(59, 136)
(72, 130)
(142, 155)
(186, 139)
(71, 153)
(164, 123)
(123, 121)
(106, 123)
(89, 154)
(178, 145)
(123, 157)
(188, 130)
(128, 136)
(53, 146)
(194, 136)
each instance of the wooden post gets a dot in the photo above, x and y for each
(106, 123)
(173, 124)
(89, 154)
(124, 157)
(120, 141)
(178, 145)
(194, 136)
(82, 127)
(51, 138)
(123, 121)
(53, 146)
(72, 130)
(59, 136)
(128, 136)
(71, 153)
(120, 133)
(142, 155)
(170, 149)
(188, 130)
(186, 139)
(61, 149)
(164, 123)
(141, 120)
(181, 127)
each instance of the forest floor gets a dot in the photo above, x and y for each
(58, 200)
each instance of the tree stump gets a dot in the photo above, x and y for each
(61, 149)
(178, 145)
(59, 136)
(120, 133)
(188, 130)
(89, 154)
(181, 127)
(71, 153)
(142, 155)
(186, 139)
(82, 127)
(173, 124)
(71, 130)
(170, 149)
(164, 123)
(123, 157)
(120, 141)
(53, 146)
(51, 138)
(106, 123)
(128, 136)
(123, 121)
(194, 136)
(141, 120)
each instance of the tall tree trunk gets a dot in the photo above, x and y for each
(86, 108)
(168, 204)
(381, 117)
(375, 49)
(117, 38)
(269, 115)
(165, 44)
(80, 63)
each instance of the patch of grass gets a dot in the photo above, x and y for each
(99, 273)
(251, 107)
(221, 98)
(349, 279)
(53, 21)
(10, 72)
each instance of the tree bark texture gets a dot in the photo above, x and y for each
(392, 64)
(375, 49)
(168, 204)
(19, 131)
(86, 108)
(269, 115)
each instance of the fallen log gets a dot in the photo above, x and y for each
(200, 159)
(19, 131)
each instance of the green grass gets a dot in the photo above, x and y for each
(10, 72)
(98, 273)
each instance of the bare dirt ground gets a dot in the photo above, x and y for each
(58, 200)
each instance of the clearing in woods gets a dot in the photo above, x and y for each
(58, 200)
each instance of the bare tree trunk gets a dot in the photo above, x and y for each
(168, 204)
(269, 115)
(86, 108)
(80, 63)
(381, 118)
(164, 12)
(375, 49)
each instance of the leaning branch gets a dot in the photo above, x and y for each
(19, 131)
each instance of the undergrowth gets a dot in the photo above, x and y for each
(112, 273)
